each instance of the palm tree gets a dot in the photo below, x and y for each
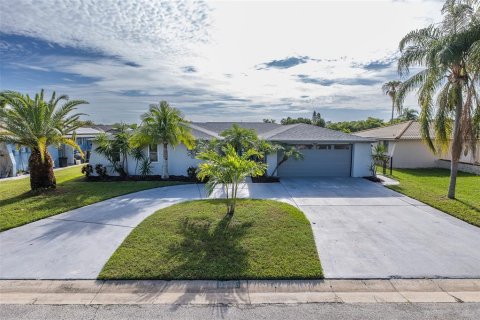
(227, 169)
(447, 86)
(409, 114)
(390, 89)
(164, 124)
(240, 138)
(288, 152)
(37, 124)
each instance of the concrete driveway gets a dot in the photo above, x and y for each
(362, 230)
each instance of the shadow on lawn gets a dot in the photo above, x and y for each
(210, 250)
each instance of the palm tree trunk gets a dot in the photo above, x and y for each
(41, 172)
(165, 161)
(457, 144)
(393, 109)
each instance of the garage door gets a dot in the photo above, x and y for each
(319, 161)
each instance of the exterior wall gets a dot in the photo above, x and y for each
(465, 167)
(178, 161)
(20, 157)
(272, 160)
(361, 159)
(413, 154)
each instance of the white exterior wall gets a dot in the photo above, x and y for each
(361, 159)
(272, 160)
(412, 154)
(178, 161)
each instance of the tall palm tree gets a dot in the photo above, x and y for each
(163, 124)
(390, 89)
(37, 124)
(449, 52)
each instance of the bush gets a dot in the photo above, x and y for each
(87, 170)
(192, 173)
(101, 171)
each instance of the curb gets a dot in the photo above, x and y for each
(241, 292)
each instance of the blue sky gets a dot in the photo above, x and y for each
(213, 60)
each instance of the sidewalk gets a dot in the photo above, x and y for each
(243, 292)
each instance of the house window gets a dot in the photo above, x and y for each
(116, 156)
(385, 144)
(153, 152)
(341, 147)
(322, 147)
(304, 146)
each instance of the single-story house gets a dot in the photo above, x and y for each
(407, 150)
(326, 152)
(14, 159)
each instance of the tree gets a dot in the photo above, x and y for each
(37, 124)
(239, 138)
(449, 53)
(354, 126)
(390, 88)
(288, 152)
(408, 114)
(269, 121)
(289, 120)
(379, 156)
(116, 148)
(165, 125)
(317, 119)
(227, 169)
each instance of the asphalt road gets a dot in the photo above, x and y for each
(385, 311)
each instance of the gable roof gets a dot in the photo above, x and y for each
(404, 130)
(278, 132)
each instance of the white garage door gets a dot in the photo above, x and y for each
(319, 161)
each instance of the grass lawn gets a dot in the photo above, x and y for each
(19, 206)
(431, 186)
(195, 240)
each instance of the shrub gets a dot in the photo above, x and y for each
(192, 173)
(87, 170)
(101, 171)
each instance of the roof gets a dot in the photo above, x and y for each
(404, 130)
(85, 131)
(277, 132)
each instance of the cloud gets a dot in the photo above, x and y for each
(340, 81)
(284, 63)
(189, 69)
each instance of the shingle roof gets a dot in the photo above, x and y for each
(404, 130)
(278, 132)
(88, 131)
(307, 132)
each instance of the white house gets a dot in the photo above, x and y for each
(405, 146)
(326, 152)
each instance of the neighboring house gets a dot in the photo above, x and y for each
(407, 149)
(327, 153)
(14, 159)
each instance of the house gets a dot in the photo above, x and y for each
(327, 153)
(407, 150)
(14, 159)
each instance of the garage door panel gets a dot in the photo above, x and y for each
(318, 163)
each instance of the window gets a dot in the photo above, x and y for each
(153, 152)
(385, 144)
(116, 155)
(304, 146)
(322, 147)
(341, 147)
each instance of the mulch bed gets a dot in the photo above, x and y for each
(265, 179)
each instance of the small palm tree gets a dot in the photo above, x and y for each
(239, 138)
(164, 124)
(449, 52)
(37, 124)
(390, 88)
(288, 152)
(228, 169)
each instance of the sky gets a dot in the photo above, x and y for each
(215, 61)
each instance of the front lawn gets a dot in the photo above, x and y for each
(19, 206)
(431, 185)
(195, 240)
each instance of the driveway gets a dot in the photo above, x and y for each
(362, 230)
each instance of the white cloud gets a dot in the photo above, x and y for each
(219, 39)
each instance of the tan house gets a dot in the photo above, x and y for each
(405, 146)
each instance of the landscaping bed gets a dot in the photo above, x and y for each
(195, 240)
(20, 206)
(431, 185)
(265, 179)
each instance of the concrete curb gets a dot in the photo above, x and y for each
(242, 292)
